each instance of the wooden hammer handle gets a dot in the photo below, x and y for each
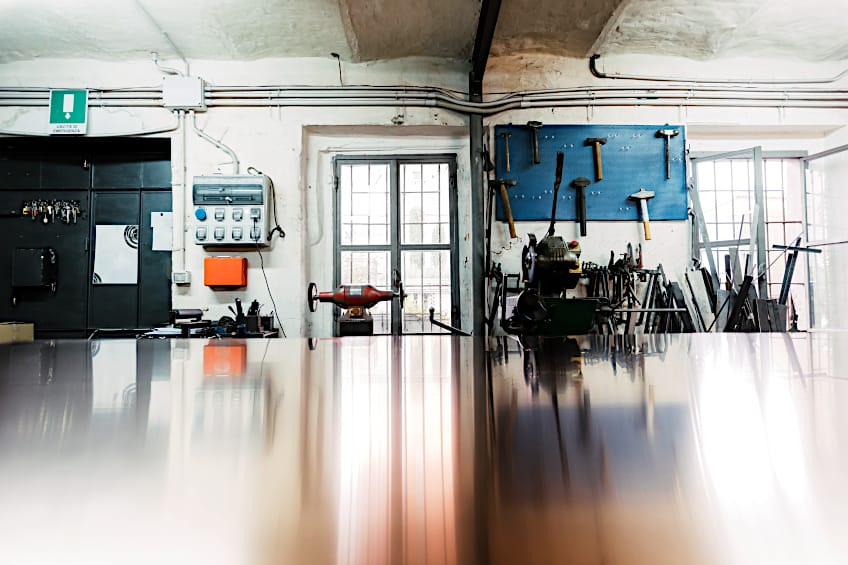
(508, 211)
(599, 167)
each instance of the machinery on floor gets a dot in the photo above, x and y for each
(355, 301)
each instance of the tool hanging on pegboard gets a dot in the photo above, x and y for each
(48, 211)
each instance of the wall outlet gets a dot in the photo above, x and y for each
(181, 277)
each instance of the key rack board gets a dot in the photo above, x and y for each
(633, 158)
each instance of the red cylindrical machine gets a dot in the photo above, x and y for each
(349, 296)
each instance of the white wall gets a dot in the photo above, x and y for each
(295, 147)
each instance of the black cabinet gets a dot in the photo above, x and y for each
(115, 182)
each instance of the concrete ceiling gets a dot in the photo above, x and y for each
(368, 30)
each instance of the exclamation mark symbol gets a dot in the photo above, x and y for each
(68, 105)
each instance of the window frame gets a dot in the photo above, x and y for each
(757, 191)
(395, 247)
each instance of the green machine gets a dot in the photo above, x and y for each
(550, 267)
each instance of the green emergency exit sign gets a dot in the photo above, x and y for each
(68, 111)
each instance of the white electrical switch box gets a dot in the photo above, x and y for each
(232, 210)
(181, 277)
(183, 93)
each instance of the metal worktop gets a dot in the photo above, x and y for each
(657, 449)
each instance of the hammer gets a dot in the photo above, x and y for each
(579, 184)
(535, 127)
(596, 142)
(643, 196)
(667, 134)
(501, 184)
(506, 135)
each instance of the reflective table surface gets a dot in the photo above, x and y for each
(649, 449)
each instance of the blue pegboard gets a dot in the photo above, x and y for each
(633, 158)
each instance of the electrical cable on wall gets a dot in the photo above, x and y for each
(268, 285)
(276, 229)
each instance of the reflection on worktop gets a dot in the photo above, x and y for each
(433, 449)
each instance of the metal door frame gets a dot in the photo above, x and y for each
(806, 170)
(395, 247)
(756, 154)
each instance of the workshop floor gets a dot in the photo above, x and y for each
(663, 449)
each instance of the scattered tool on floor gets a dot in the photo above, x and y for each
(667, 134)
(580, 184)
(642, 197)
(506, 135)
(534, 125)
(596, 143)
(501, 185)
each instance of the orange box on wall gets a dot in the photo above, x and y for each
(225, 271)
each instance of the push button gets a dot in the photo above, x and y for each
(200, 233)
(219, 233)
(255, 234)
(255, 213)
(237, 233)
(200, 214)
(220, 214)
(238, 214)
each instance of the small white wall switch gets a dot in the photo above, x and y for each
(181, 277)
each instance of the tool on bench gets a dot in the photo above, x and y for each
(355, 300)
(534, 125)
(642, 197)
(506, 135)
(239, 312)
(580, 184)
(667, 134)
(501, 185)
(596, 143)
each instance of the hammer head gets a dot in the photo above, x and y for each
(594, 140)
(667, 133)
(642, 194)
(581, 182)
(534, 124)
(503, 182)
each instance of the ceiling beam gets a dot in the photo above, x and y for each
(486, 24)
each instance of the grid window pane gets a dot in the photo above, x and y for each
(424, 195)
(725, 188)
(364, 196)
(427, 282)
(370, 267)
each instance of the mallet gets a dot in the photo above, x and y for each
(643, 196)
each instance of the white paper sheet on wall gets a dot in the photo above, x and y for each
(163, 230)
(116, 255)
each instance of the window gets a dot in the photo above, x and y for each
(726, 192)
(399, 214)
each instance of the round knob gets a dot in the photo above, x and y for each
(200, 214)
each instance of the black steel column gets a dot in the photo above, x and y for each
(489, 10)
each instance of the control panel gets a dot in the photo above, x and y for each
(231, 210)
